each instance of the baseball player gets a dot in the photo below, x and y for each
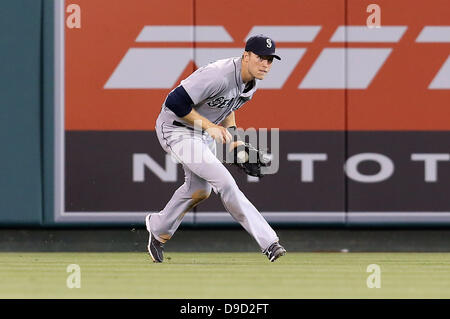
(197, 114)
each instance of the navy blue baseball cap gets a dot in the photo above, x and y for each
(261, 45)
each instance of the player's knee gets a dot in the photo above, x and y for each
(200, 195)
(227, 185)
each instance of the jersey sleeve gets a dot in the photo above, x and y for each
(203, 84)
(179, 102)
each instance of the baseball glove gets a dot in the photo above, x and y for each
(250, 159)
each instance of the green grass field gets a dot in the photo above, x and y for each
(225, 275)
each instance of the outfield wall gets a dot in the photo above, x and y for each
(362, 112)
(21, 112)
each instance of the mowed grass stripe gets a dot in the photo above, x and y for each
(225, 275)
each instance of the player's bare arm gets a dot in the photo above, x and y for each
(230, 121)
(219, 133)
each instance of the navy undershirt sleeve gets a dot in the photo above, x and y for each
(179, 102)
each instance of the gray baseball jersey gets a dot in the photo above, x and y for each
(216, 89)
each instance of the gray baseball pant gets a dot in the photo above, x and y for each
(203, 172)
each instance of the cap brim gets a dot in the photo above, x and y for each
(264, 53)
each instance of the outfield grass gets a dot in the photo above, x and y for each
(225, 275)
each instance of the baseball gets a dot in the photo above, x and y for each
(242, 157)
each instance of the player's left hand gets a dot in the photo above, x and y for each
(250, 159)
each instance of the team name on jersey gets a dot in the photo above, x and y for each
(220, 102)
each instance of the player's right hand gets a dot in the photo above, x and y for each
(220, 134)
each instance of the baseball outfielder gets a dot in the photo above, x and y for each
(196, 114)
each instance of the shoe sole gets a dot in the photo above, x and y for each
(147, 224)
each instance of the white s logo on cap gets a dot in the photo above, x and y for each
(269, 43)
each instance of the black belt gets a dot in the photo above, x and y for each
(176, 123)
